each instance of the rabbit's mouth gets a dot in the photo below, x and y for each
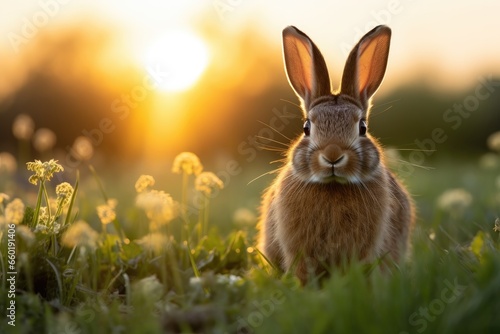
(339, 179)
(331, 179)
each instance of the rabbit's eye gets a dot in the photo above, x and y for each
(362, 127)
(307, 127)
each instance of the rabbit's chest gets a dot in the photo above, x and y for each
(333, 218)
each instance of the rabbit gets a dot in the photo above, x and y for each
(334, 200)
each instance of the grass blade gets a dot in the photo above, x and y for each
(59, 281)
(72, 200)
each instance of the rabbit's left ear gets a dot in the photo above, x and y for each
(366, 64)
(305, 66)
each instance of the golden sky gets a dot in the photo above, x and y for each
(446, 44)
(454, 40)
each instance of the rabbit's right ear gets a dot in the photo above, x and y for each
(305, 66)
(366, 64)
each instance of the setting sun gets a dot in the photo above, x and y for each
(182, 54)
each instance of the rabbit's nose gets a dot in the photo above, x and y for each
(335, 162)
(333, 155)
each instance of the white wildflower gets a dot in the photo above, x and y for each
(496, 228)
(7, 163)
(155, 243)
(207, 182)
(494, 141)
(106, 212)
(148, 288)
(244, 217)
(4, 198)
(44, 139)
(158, 205)
(14, 212)
(23, 127)
(187, 163)
(25, 234)
(144, 182)
(83, 148)
(455, 201)
(80, 234)
(489, 161)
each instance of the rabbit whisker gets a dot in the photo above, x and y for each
(273, 140)
(278, 132)
(274, 171)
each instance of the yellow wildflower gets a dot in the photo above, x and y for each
(43, 170)
(187, 163)
(64, 192)
(43, 216)
(80, 234)
(144, 182)
(44, 225)
(4, 198)
(14, 212)
(106, 212)
(207, 182)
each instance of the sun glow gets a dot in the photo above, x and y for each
(181, 55)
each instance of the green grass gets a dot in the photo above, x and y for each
(449, 284)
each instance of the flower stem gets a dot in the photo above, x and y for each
(99, 183)
(206, 214)
(185, 226)
(72, 200)
(38, 203)
(47, 201)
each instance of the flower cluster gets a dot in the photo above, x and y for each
(23, 127)
(64, 191)
(207, 183)
(106, 212)
(8, 163)
(158, 205)
(144, 182)
(44, 139)
(154, 243)
(14, 212)
(187, 163)
(80, 234)
(44, 171)
(493, 141)
(4, 198)
(455, 201)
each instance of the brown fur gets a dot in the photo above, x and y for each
(334, 200)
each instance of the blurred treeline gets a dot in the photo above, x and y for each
(69, 80)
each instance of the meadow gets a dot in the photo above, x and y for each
(95, 254)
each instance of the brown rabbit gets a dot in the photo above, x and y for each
(335, 199)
